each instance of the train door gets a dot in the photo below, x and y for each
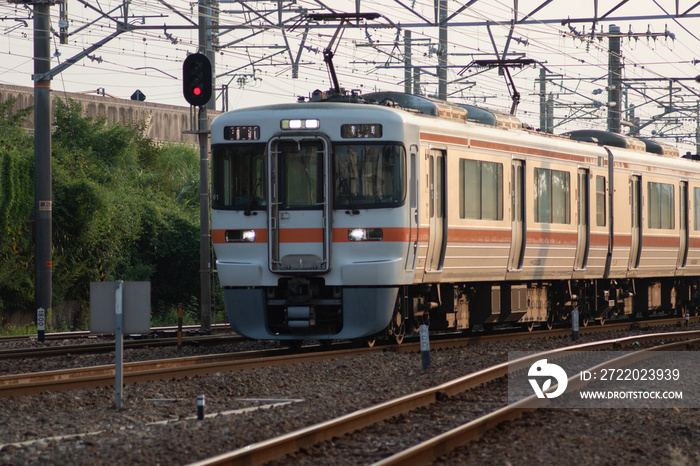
(413, 214)
(683, 212)
(299, 212)
(584, 229)
(636, 206)
(436, 211)
(517, 209)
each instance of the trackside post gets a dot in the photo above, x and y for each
(179, 327)
(574, 324)
(118, 342)
(201, 401)
(424, 345)
(40, 324)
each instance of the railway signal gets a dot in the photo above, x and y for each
(196, 79)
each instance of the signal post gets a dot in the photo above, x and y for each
(197, 89)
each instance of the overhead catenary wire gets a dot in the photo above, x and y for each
(153, 54)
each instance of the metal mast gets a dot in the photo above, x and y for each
(205, 47)
(42, 164)
(614, 79)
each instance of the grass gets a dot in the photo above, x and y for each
(189, 317)
(13, 331)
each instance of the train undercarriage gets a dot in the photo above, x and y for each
(547, 303)
(306, 306)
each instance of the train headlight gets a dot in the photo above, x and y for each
(365, 234)
(240, 236)
(309, 123)
(312, 124)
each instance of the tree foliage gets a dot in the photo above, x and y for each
(16, 203)
(124, 207)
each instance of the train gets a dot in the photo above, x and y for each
(367, 215)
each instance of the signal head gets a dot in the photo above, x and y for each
(196, 79)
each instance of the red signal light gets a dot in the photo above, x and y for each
(197, 79)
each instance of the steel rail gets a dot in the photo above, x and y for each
(87, 334)
(440, 343)
(104, 347)
(162, 369)
(276, 448)
(430, 450)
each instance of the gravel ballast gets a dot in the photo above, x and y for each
(157, 423)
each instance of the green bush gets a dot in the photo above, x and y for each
(124, 207)
(16, 206)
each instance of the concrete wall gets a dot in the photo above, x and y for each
(164, 123)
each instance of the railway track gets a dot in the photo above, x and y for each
(162, 369)
(211, 340)
(428, 451)
(557, 332)
(35, 425)
(173, 368)
(80, 334)
(107, 346)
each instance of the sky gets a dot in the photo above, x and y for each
(256, 65)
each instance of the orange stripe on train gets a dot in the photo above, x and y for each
(456, 235)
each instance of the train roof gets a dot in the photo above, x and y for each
(440, 108)
(470, 113)
(490, 117)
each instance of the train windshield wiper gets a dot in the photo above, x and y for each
(248, 210)
(346, 190)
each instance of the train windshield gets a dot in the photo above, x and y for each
(369, 175)
(239, 180)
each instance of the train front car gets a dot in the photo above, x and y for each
(310, 221)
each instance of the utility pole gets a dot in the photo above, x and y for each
(697, 127)
(614, 79)
(631, 114)
(442, 49)
(546, 105)
(42, 164)
(543, 100)
(416, 81)
(205, 47)
(63, 22)
(407, 54)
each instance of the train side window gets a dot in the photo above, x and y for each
(600, 201)
(661, 205)
(696, 209)
(481, 190)
(552, 196)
